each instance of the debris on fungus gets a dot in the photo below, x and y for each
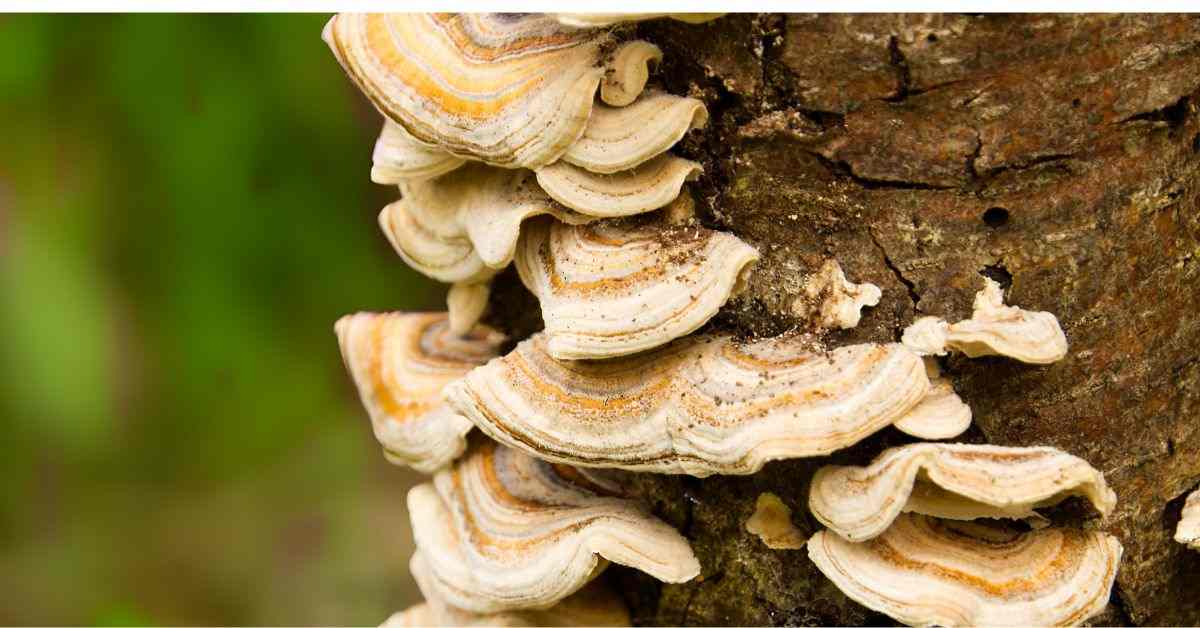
(501, 530)
(400, 364)
(772, 523)
(699, 405)
(613, 288)
(952, 481)
(924, 571)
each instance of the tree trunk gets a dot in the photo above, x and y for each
(1059, 155)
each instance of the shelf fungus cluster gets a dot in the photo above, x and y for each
(492, 118)
(540, 140)
(925, 571)
(919, 535)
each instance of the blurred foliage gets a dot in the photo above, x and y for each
(184, 212)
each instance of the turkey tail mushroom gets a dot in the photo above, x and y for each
(614, 288)
(952, 481)
(699, 405)
(501, 530)
(400, 364)
(993, 329)
(924, 571)
(627, 72)
(512, 90)
(618, 139)
(593, 605)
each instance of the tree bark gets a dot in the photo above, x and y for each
(1059, 155)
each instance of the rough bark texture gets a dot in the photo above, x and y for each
(1057, 154)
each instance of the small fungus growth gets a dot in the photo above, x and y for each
(772, 523)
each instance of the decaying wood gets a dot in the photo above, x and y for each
(1059, 155)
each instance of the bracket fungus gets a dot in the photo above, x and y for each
(941, 413)
(512, 90)
(593, 605)
(638, 190)
(501, 530)
(627, 71)
(400, 364)
(993, 329)
(924, 571)
(1188, 530)
(772, 523)
(834, 301)
(620, 138)
(463, 226)
(952, 481)
(613, 288)
(399, 157)
(700, 405)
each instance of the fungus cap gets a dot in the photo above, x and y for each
(513, 90)
(941, 414)
(953, 481)
(613, 288)
(501, 530)
(638, 190)
(1188, 530)
(593, 605)
(400, 363)
(627, 71)
(700, 405)
(621, 138)
(398, 156)
(998, 329)
(993, 329)
(924, 571)
(926, 336)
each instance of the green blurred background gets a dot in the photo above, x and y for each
(184, 212)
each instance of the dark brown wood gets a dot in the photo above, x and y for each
(1059, 154)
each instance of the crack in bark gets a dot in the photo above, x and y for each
(992, 173)
(887, 260)
(1174, 114)
(842, 168)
